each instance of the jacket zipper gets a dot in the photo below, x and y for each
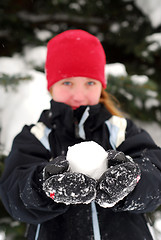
(37, 231)
(96, 229)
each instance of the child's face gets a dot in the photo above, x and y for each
(77, 91)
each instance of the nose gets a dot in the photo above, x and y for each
(79, 95)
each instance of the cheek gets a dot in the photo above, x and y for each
(93, 99)
(61, 96)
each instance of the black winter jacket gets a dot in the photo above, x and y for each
(60, 127)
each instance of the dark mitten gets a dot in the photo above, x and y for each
(57, 165)
(66, 187)
(70, 188)
(118, 181)
(115, 157)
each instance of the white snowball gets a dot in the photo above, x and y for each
(88, 158)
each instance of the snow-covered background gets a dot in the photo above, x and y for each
(24, 103)
(152, 8)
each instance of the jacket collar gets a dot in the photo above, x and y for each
(61, 113)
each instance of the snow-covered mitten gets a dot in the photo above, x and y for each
(55, 166)
(118, 181)
(68, 187)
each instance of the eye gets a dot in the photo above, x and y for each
(91, 83)
(67, 83)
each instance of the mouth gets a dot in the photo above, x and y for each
(75, 107)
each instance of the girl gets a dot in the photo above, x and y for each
(37, 186)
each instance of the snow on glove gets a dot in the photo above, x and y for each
(66, 187)
(70, 188)
(119, 179)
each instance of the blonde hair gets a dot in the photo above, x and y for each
(110, 103)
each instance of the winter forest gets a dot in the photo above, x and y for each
(130, 31)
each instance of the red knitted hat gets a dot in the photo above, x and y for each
(75, 53)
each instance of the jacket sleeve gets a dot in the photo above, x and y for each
(21, 183)
(146, 196)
